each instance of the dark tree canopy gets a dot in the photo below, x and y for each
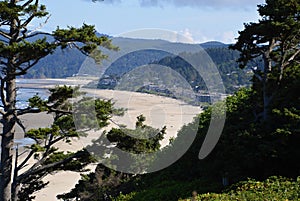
(275, 41)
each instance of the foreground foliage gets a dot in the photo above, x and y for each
(105, 182)
(44, 156)
(274, 188)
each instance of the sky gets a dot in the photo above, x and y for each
(198, 20)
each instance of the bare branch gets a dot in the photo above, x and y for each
(27, 3)
(77, 47)
(28, 110)
(29, 19)
(285, 63)
(23, 71)
(19, 122)
(25, 160)
(2, 112)
(59, 111)
(24, 152)
(4, 23)
(119, 125)
(39, 27)
(5, 35)
(294, 55)
(15, 174)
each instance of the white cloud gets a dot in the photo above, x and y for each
(228, 37)
(187, 36)
(197, 36)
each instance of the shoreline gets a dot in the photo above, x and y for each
(159, 111)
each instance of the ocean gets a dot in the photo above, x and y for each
(24, 93)
(27, 88)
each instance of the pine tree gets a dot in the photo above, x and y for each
(20, 50)
(275, 41)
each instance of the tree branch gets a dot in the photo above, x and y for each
(31, 34)
(77, 47)
(46, 167)
(16, 171)
(25, 160)
(294, 55)
(256, 74)
(30, 18)
(36, 34)
(23, 71)
(59, 111)
(2, 83)
(2, 112)
(5, 35)
(46, 153)
(18, 121)
(28, 110)
(27, 3)
(4, 23)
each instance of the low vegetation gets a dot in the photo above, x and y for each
(273, 188)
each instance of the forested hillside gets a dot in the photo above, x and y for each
(222, 56)
(62, 64)
(67, 63)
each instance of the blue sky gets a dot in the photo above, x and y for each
(199, 20)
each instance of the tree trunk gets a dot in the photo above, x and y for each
(15, 184)
(7, 142)
(15, 189)
(266, 102)
(9, 119)
(265, 81)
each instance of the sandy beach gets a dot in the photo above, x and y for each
(159, 111)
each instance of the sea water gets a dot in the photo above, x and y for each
(23, 94)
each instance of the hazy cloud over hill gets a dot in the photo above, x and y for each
(196, 3)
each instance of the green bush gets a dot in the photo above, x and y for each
(168, 190)
(127, 197)
(272, 189)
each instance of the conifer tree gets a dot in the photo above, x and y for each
(275, 41)
(20, 49)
